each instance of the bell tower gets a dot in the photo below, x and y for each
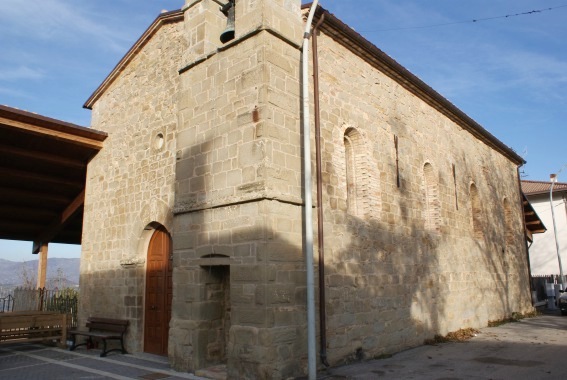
(238, 200)
(212, 23)
(283, 16)
(204, 23)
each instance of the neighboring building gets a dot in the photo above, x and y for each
(543, 251)
(193, 212)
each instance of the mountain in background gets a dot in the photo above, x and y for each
(13, 273)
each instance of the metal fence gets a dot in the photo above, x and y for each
(63, 301)
(6, 304)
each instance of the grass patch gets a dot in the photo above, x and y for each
(461, 335)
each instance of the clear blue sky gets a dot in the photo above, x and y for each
(509, 73)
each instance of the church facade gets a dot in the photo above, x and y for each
(193, 221)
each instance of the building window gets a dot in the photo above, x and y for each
(432, 209)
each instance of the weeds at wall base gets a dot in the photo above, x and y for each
(459, 336)
(515, 317)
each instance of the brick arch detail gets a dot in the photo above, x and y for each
(432, 211)
(476, 212)
(508, 223)
(355, 171)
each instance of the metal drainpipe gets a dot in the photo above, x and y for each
(527, 246)
(320, 237)
(311, 335)
(561, 277)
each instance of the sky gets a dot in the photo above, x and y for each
(507, 73)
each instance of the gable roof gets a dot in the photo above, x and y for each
(345, 35)
(357, 44)
(542, 187)
(162, 19)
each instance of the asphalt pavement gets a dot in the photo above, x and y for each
(533, 348)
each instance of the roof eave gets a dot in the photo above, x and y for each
(559, 187)
(21, 118)
(396, 71)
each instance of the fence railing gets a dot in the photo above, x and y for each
(63, 301)
(6, 303)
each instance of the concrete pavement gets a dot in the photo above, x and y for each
(35, 361)
(534, 348)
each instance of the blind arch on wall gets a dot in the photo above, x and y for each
(432, 206)
(508, 225)
(354, 165)
(476, 212)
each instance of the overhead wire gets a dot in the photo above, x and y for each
(476, 20)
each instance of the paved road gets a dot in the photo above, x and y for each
(534, 348)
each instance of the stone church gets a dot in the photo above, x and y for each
(193, 221)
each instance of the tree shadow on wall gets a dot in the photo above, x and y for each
(390, 286)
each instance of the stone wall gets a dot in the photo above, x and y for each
(238, 211)
(266, 336)
(130, 183)
(238, 207)
(406, 264)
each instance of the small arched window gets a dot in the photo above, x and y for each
(354, 170)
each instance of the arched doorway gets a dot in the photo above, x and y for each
(159, 291)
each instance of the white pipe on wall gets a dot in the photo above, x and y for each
(307, 196)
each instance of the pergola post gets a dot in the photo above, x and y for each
(42, 266)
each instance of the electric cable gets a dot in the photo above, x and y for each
(477, 20)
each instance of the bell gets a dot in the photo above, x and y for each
(228, 11)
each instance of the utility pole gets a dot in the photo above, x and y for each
(553, 180)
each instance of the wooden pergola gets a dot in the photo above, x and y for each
(533, 223)
(43, 166)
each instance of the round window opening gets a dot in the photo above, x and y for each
(158, 141)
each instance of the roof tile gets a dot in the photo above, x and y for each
(541, 187)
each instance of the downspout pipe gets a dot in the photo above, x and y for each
(307, 196)
(553, 180)
(526, 244)
(320, 232)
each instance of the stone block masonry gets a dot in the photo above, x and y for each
(392, 280)
(131, 184)
(422, 219)
(239, 200)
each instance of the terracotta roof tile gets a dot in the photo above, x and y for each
(541, 187)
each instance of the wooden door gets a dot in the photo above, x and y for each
(159, 291)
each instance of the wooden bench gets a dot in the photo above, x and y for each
(102, 329)
(33, 326)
